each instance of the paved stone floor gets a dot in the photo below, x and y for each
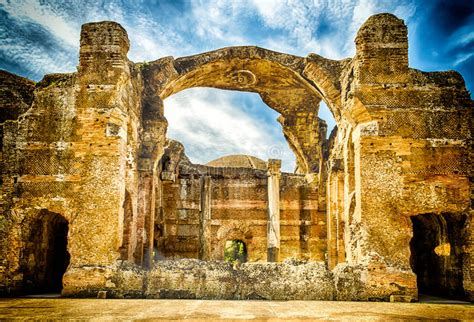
(108, 310)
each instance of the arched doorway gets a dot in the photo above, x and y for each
(436, 254)
(45, 256)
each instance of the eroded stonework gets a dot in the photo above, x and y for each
(94, 196)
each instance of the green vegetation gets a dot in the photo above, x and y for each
(55, 80)
(235, 250)
(143, 65)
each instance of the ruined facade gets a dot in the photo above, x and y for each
(238, 197)
(93, 193)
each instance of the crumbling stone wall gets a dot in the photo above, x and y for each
(404, 151)
(196, 279)
(238, 211)
(88, 146)
(72, 151)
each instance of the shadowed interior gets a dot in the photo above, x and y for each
(436, 253)
(45, 257)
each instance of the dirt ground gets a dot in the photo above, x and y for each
(210, 310)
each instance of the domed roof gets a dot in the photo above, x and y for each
(238, 161)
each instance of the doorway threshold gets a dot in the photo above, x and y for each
(427, 298)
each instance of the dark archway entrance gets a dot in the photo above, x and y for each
(436, 254)
(45, 257)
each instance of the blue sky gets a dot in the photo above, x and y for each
(40, 37)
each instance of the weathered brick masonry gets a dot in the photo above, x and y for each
(94, 197)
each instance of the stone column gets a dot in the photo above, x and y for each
(303, 131)
(331, 214)
(146, 207)
(152, 139)
(205, 219)
(273, 226)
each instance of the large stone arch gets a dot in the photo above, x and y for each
(280, 80)
(247, 68)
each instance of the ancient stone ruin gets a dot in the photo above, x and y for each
(95, 198)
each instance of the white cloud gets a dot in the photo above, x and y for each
(296, 18)
(459, 40)
(361, 11)
(205, 120)
(210, 123)
(149, 38)
(31, 10)
(288, 26)
(280, 44)
(219, 21)
(461, 37)
(462, 58)
(326, 115)
(300, 20)
(150, 41)
(37, 60)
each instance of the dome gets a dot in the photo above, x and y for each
(238, 161)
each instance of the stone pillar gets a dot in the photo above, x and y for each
(152, 141)
(146, 207)
(205, 219)
(340, 228)
(105, 93)
(335, 213)
(273, 226)
(104, 90)
(382, 51)
(305, 133)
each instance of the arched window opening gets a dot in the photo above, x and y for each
(229, 136)
(235, 250)
(165, 163)
(326, 115)
(45, 257)
(212, 123)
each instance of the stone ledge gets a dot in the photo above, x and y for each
(196, 279)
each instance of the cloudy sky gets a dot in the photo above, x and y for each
(40, 37)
